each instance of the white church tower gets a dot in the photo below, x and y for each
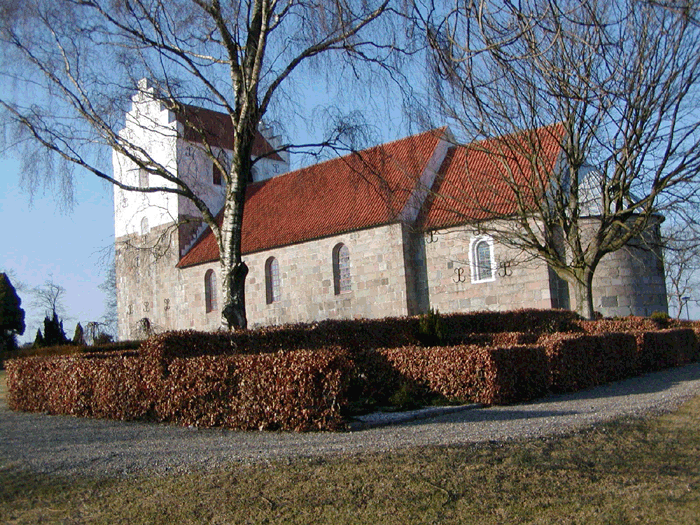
(154, 229)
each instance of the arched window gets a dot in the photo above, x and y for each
(482, 261)
(144, 226)
(210, 291)
(216, 175)
(341, 269)
(272, 280)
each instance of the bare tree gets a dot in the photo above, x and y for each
(48, 297)
(108, 322)
(681, 251)
(609, 91)
(80, 61)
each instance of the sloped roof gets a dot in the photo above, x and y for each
(357, 191)
(493, 178)
(217, 129)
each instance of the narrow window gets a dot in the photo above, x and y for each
(210, 291)
(216, 175)
(482, 262)
(144, 226)
(272, 280)
(341, 269)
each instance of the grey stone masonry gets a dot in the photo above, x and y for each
(150, 286)
(394, 271)
(377, 270)
(452, 285)
(631, 281)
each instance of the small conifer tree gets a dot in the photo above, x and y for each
(39, 339)
(53, 331)
(79, 336)
(11, 314)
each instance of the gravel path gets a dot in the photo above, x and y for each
(71, 446)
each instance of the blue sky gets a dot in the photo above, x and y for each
(39, 241)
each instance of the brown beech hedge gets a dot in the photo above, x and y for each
(361, 334)
(488, 375)
(301, 390)
(666, 348)
(579, 361)
(305, 377)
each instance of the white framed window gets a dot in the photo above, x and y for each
(210, 291)
(481, 260)
(272, 280)
(342, 281)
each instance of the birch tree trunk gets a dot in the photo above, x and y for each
(233, 268)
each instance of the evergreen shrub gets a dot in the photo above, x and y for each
(431, 329)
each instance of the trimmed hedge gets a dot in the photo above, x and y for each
(579, 361)
(72, 349)
(528, 320)
(267, 379)
(622, 324)
(88, 385)
(358, 335)
(302, 390)
(496, 339)
(667, 348)
(353, 335)
(488, 375)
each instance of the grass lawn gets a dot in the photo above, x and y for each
(631, 471)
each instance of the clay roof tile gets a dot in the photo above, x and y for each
(361, 190)
(493, 178)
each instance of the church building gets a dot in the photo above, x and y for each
(372, 234)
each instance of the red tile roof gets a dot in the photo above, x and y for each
(483, 180)
(361, 190)
(217, 129)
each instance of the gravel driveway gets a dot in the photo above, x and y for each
(68, 445)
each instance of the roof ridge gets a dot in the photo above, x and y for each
(513, 134)
(350, 154)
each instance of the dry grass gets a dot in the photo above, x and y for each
(625, 472)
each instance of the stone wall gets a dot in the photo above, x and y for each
(519, 282)
(151, 287)
(631, 281)
(306, 279)
(148, 284)
(395, 271)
